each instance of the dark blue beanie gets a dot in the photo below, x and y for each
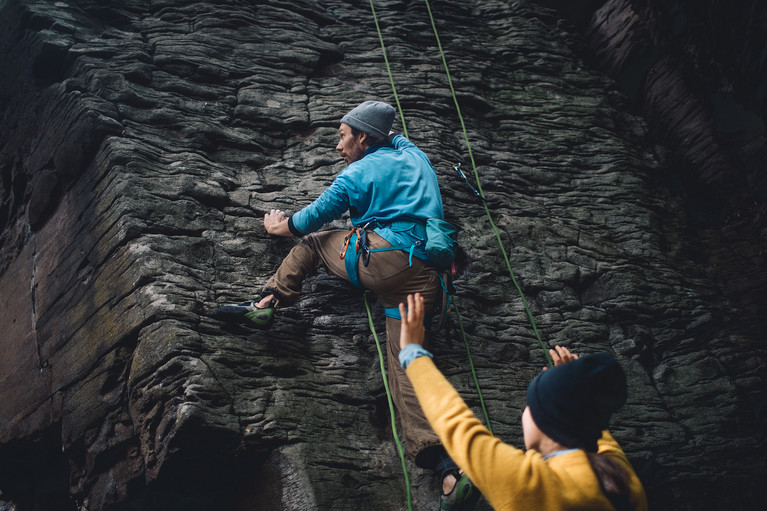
(572, 403)
(372, 117)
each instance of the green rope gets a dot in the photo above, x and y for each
(471, 364)
(482, 194)
(404, 130)
(497, 235)
(391, 403)
(388, 69)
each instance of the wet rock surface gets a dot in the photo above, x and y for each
(142, 142)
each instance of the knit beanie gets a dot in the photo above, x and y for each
(372, 117)
(572, 403)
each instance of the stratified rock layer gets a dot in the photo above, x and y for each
(142, 142)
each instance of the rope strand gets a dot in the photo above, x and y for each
(471, 365)
(391, 404)
(404, 131)
(388, 69)
(497, 235)
(482, 194)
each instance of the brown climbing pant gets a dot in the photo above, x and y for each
(390, 276)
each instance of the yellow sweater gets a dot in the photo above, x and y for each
(508, 477)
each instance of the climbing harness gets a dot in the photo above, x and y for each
(358, 238)
(354, 239)
(435, 235)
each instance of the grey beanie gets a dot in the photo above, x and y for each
(371, 117)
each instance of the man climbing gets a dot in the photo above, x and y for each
(390, 190)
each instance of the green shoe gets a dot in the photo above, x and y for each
(463, 497)
(248, 314)
(261, 318)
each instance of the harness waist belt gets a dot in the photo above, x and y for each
(399, 226)
(351, 258)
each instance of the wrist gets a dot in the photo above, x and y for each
(412, 352)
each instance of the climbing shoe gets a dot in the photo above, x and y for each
(248, 314)
(463, 497)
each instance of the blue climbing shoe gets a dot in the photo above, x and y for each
(248, 314)
(463, 497)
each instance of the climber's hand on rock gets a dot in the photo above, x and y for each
(412, 330)
(276, 223)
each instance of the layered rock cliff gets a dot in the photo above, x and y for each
(621, 148)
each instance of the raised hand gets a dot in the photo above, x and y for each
(561, 355)
(412, 330)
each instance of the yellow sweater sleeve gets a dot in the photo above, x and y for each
(496, 468)
(508, 477)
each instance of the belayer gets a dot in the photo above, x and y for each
(571, 460)
(391, 192)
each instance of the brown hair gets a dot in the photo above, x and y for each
(372, 139)
(613, 480)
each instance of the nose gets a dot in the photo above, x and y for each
(339, 148)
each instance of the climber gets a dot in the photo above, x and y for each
(390, 190)
(571, 462)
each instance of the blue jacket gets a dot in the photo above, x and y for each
(393, 184)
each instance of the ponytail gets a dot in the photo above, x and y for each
(613, 480)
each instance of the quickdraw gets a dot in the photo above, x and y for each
(360, 237)
(347, 239)
(457, 168)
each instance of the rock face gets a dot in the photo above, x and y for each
(621, 149)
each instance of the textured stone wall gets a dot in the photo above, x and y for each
(142, 142)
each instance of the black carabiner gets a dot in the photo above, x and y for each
(362, 246)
